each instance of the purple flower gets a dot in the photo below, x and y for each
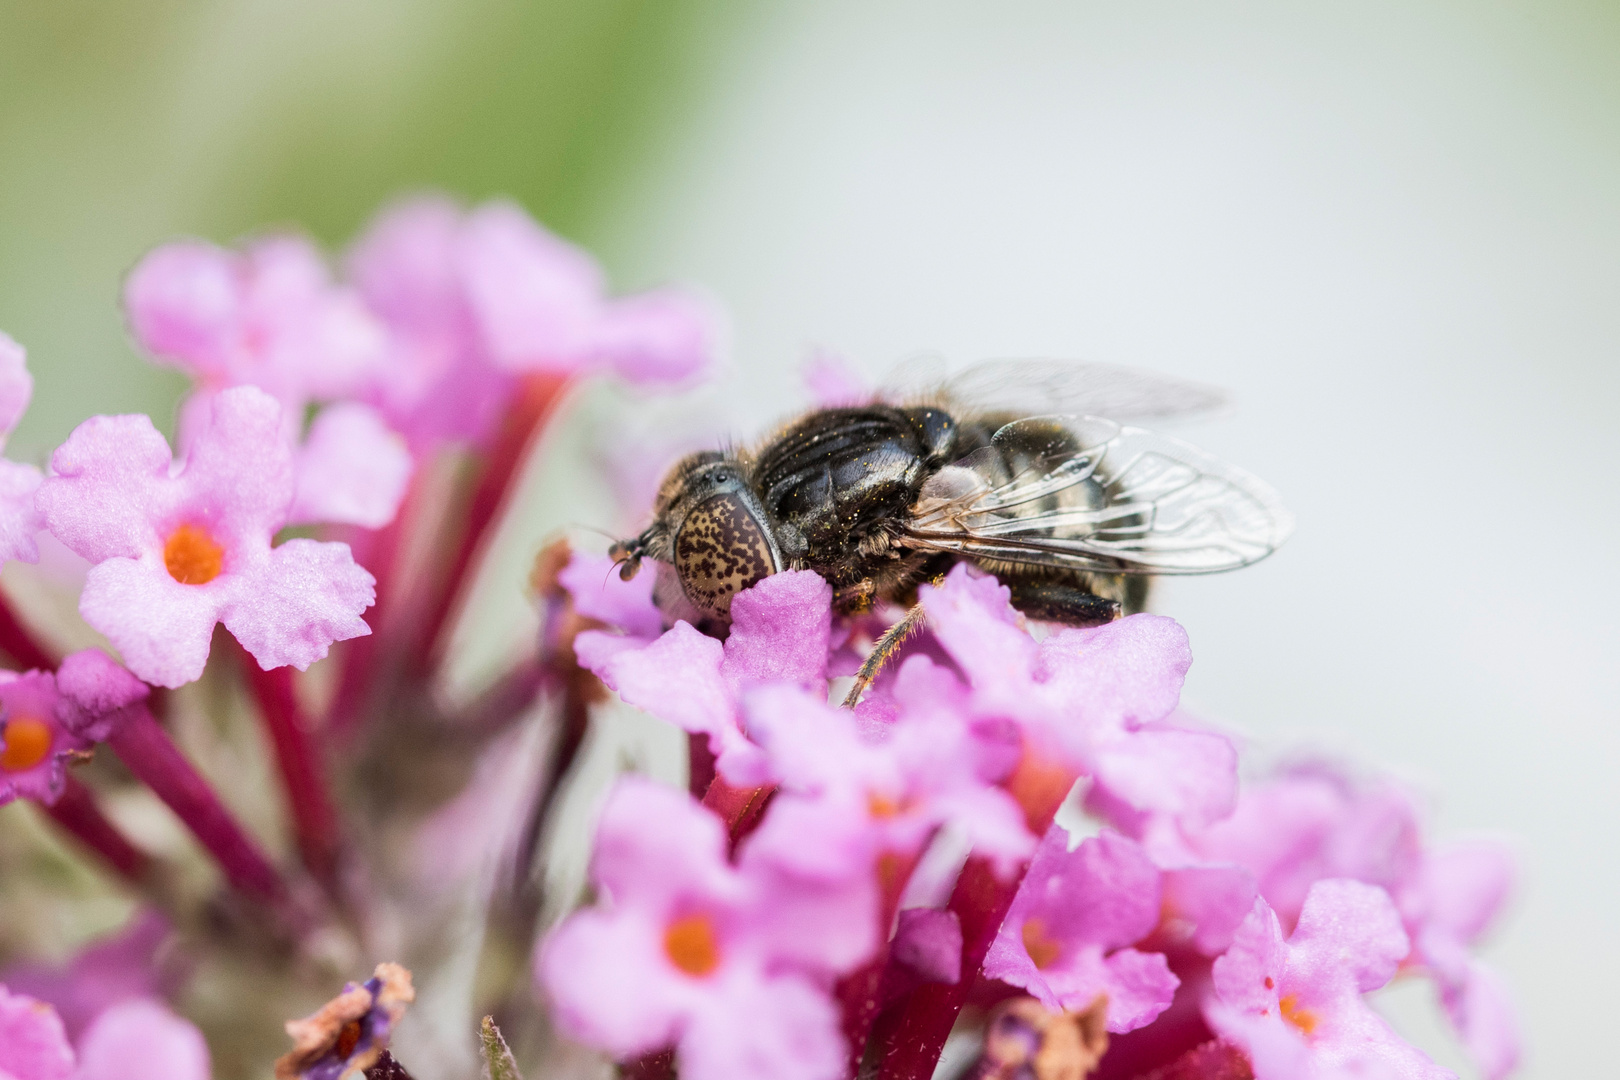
(271, 317)
(476, 298)
(1068, 935)
(19, 520)
(142, 1040)
(34, 746)
(730, 964)
(780, 632)
(177, 552)
(33, 1045)
(1295, 1005)
(347, 1035)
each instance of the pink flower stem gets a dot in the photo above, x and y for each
(154, 759)
(78, 815)
(739, 808)
(858, 991)
(19, 642)
(537, 399)
(292, 733)
(357, 681)
(699, 764)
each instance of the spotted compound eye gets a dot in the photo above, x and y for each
(720, 551)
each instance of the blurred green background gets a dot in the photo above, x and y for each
(123, 124)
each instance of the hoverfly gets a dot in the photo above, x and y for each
(1024, 468)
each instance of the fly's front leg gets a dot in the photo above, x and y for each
(1052, 602)
(883, 650)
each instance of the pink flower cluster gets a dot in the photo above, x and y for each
(1196, 911)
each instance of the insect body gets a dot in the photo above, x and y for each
(1068, 507)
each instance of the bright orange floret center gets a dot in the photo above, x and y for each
(690, 944)
(28, 742)
(1303, 1019)
(192, 556)
(1043, 950)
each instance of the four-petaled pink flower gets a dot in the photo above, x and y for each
(1068, 936)
(270, 316)
(730, 964)
(1295, 1004)
(176, 552)
(477, 298)
(34, 746)
(19, 519)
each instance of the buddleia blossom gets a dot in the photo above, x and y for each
(270, 316)
(34, 745)
(177, 551)
(19, 520)
(138, 1039)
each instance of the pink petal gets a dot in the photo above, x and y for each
(970, 615)
(110, 488)
(825, 927)
(115, 968)
(1248, 975)
(142, 1040)
(1139, 987)
(291, 606)
(20, 519)
(184, 304)
(790, 1033)
(655, 844)
(609, 984)
(929, 941)
(1484, 1016)
(599, 593)
(238, 476)
(33, 694)
(404, 262)
(1466, 884)
(780, 629)
(161, 628)
(676, 678)
(33, 1045)
(16, 385)
(352, 469)
(1212, 901)
(1348, 931)
(1127, 672)
(664, 336)
(1190, 775)
(595, 649)
(94, 688)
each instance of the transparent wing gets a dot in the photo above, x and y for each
(1084, 493)
(1046, 387)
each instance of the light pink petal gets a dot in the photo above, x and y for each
(404, 262)
(295, 603)
(609, 984)
(1139, 987)
(110, 488)
(1254, 960)
(1129, 671)
(595, 649)
(93, 690)
(1109, 894)
(929, 941)
(352, 469)
(1484, 1016)
(780, 629)
(533, 295)
(1210, 902)
(32, 694)
(184, 304)
(1275, 1048)
(676, 678)
(238, 476)
(823, 839)
(993, 823)
(812, 746)
(1348, 932)
(20, 519)
(663, 336)
(655, 843)
(599, 593)
(825, 927)
(160, 627)
(1189, 775)
(764, 1029)
(33, 1045)
(970, 615)
(1465, 884)
(16, 385)
(142, 1040)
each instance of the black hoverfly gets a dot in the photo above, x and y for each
(1022, 467)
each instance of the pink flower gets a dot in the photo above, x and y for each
(780, 632)
(120, 967)
(177, 552)
(599, 593)
(477, 298)
(1295, 1005)
(850, 795)
(730, 964)
(19, 520)
(33, 1045)
(1068, 935)
(34, 746)
(271, 317)
(142, 1040)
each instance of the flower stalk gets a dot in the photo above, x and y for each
(76, 812)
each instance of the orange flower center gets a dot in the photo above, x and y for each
(690, 944)
(192, 556)
(881, 806)
(1042, 949)
(1303, 1019)
(28, 742)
